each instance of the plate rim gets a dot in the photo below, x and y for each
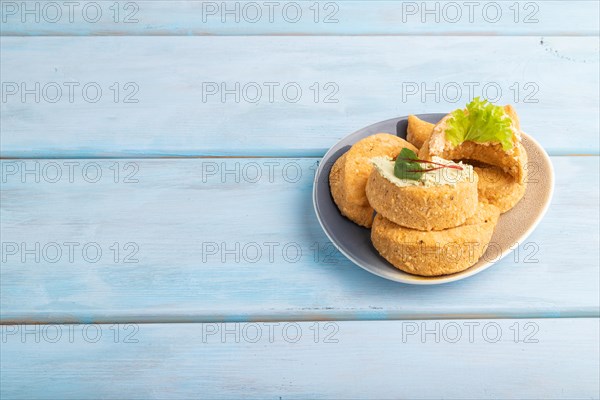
(438, 280)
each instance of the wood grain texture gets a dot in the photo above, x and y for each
(360, 80)
(553, 359)
(302, 18)
(236, 240)
(203, 240)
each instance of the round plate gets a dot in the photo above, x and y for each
(355, 241)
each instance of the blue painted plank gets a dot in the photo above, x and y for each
(300, 18)
(279, 96)
(191, 240)
(451, 359)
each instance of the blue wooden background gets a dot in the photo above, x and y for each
(123, 134)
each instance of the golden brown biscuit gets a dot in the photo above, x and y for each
(418, 131)
(512, 113)
(358, 166)
(424, 207)
(511, 161)
(361, 215)
(498, 188)
(438, 252)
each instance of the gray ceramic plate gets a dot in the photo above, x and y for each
(354, 241)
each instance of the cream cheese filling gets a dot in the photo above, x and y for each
(438, 177)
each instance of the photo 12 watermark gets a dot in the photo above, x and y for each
(463, 92)
(270, 332)
(270, 12)
(52, 252)
(73, 92)
(270, 92)
(469, 12)
(253, 172)
(69, 12)
(69, 333)
(69, 171)
(291, 252)
(470, 331)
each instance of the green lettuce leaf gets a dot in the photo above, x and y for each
(481, 122)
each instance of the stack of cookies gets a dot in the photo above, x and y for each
(439, 218)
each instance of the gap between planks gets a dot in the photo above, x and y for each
(334, 316)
